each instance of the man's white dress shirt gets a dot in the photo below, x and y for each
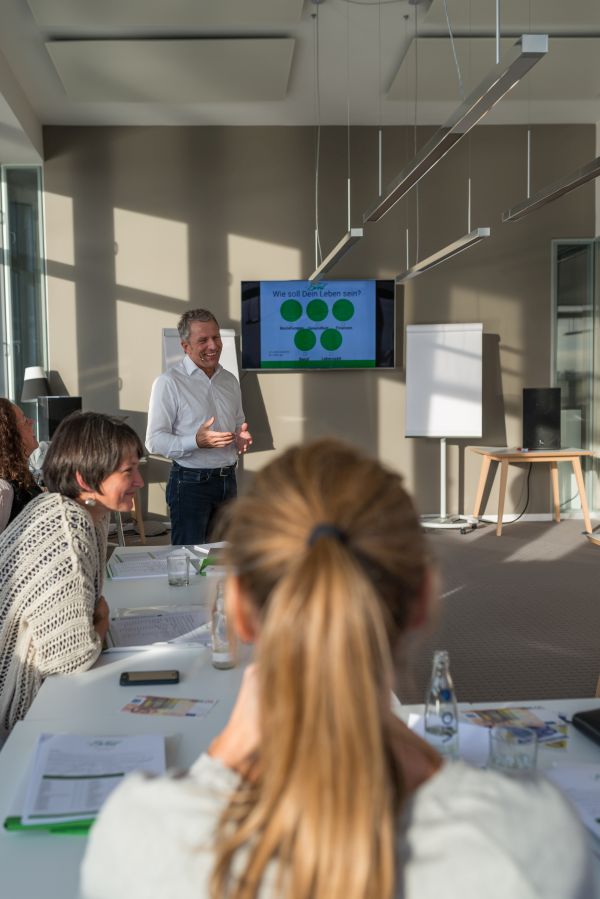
(182, 399)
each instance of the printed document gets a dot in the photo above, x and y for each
(73, 775)
(134, 631)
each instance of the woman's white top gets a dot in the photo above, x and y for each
(465, 834)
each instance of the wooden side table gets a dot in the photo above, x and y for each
(507, 455)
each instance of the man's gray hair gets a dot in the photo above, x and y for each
(194, 315)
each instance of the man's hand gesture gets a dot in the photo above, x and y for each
(205, 438)
(243, 439)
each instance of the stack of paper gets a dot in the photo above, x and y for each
(72, 776)
(191, 627)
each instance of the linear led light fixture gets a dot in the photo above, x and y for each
(340, 249)
(453, 249)
(521, 58)
(554, 191)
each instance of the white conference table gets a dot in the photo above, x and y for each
(44, 864)
(130, 593)
(34, 864)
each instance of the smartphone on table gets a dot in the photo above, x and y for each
(143, 678)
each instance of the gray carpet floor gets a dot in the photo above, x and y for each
(519, 614)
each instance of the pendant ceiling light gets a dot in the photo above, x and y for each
(352, 235)
(472, 237)
(453, 249)
(522, 57)
(553, 191)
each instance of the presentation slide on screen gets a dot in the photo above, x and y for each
(326, 324)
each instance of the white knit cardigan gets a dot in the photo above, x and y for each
(52, 560)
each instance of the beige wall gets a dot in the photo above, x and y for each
(144, 223)
(21, 138)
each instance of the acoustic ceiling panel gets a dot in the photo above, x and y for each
(570, 71)
(176, 71)
(72, 15)
(534, 15)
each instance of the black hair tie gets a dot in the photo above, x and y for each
(325, 529)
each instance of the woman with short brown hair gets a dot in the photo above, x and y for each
(53, 617)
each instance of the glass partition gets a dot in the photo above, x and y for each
(24, 300)
(574, 317)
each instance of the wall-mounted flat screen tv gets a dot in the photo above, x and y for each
(299, 325)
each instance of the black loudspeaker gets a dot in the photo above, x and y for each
(51, 410)
(541, 418)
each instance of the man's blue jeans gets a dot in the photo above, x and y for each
(194, 495)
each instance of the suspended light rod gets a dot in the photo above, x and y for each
(553, 191)
(340, 249)
(453, 249)
(522, 57)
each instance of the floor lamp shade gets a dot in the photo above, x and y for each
(35, 383)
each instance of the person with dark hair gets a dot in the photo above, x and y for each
(53, 617)
(17, 442)
(195, 418)
(315, 789)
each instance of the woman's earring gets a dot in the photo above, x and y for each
(90, 501)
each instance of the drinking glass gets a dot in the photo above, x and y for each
(513, 749)
(178, 569)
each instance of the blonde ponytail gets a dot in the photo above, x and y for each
(321, 816)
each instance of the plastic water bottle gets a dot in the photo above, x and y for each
(222, 656)
(441, 712)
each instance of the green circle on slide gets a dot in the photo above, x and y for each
(304, 340)
(331, 339)
(317, 310)
(343, 310)
(291, 310)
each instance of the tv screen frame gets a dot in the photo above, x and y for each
(298, 294)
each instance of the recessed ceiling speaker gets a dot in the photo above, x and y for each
(541, 418)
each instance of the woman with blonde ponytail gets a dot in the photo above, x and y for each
(315, 790)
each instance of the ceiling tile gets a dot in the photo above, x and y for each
(536, 15)
(179, 71)
(570, 71)
(73, 15)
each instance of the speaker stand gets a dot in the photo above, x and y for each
(443, 521)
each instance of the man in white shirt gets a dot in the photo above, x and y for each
(196, 419)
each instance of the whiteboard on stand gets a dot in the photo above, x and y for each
(444, 374)
(173, 351)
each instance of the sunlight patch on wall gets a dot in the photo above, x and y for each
(256, 260)
(390, 420)
(151, 254)
(62, 332)
(139, 352)
(60, 242)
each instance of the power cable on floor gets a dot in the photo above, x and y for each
(520, 515)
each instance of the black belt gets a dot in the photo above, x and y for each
(222, 472)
